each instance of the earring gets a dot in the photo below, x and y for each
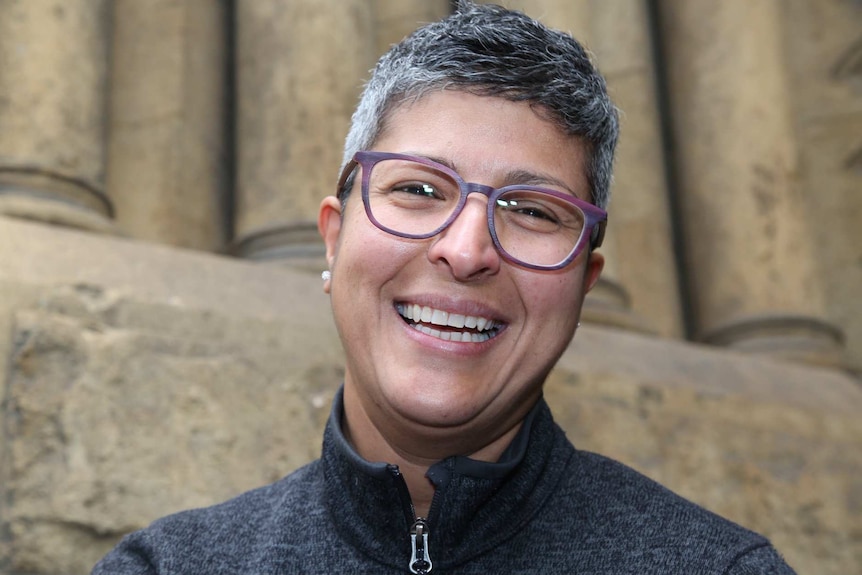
(326, 275)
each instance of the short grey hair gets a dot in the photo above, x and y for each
(488, 50)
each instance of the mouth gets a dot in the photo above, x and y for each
(448, 326)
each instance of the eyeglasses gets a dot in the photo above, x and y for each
(416, 198)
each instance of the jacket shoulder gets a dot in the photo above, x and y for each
(634, 502)
(244, 526)
(649, 526)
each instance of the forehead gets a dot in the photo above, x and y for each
(484, 138)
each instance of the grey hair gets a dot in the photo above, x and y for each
(488, 50)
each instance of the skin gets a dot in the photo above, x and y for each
(413, 399)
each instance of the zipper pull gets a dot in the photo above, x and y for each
(420, 562)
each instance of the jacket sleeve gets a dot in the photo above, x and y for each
(763, 560)
(130, 557)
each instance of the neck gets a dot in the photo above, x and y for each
(414, 453)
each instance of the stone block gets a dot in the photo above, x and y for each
(119, 412)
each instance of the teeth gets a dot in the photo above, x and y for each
(429, 315)
(439, 317)
(452, 336)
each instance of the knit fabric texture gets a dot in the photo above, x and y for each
(544, 508)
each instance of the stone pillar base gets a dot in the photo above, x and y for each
(608, 303)
(795, 337)
(32, 194)
(298, 245)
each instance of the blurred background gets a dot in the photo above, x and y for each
(164, 341)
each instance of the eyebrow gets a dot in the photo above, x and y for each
(513, 178)
(527, 178)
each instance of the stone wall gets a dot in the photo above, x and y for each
(141, 380)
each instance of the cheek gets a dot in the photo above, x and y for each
(369, 257)
(357, 240)
(553, 300)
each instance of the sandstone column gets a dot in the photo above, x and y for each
(640, 221)
(747, 240)
(395, 19)
(300, 67)
(823, 42)
(166, 169)
(53, 70)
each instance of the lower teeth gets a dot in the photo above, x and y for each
(464, 336)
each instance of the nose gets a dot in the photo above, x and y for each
(466, 246)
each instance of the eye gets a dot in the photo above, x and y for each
(538, 212)
(535, 212)
(421, 189)
(527, 209)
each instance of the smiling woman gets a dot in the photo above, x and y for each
(460, 248)
(472, 395)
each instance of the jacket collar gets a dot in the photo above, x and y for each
(476, 507)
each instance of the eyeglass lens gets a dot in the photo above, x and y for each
(414, 199)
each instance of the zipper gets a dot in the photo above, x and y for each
(420, 560)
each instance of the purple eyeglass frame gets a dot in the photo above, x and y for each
(594, 224)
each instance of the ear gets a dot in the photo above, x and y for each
(595, 264)
(329, 226)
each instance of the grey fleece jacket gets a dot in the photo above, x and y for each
(544, 508)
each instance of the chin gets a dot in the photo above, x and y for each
(436, 410)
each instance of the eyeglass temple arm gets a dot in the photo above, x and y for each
(598, 234)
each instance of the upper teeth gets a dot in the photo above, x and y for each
(427, 314)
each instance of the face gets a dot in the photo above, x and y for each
(405, 380)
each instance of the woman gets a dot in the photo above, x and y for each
(460, 247)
